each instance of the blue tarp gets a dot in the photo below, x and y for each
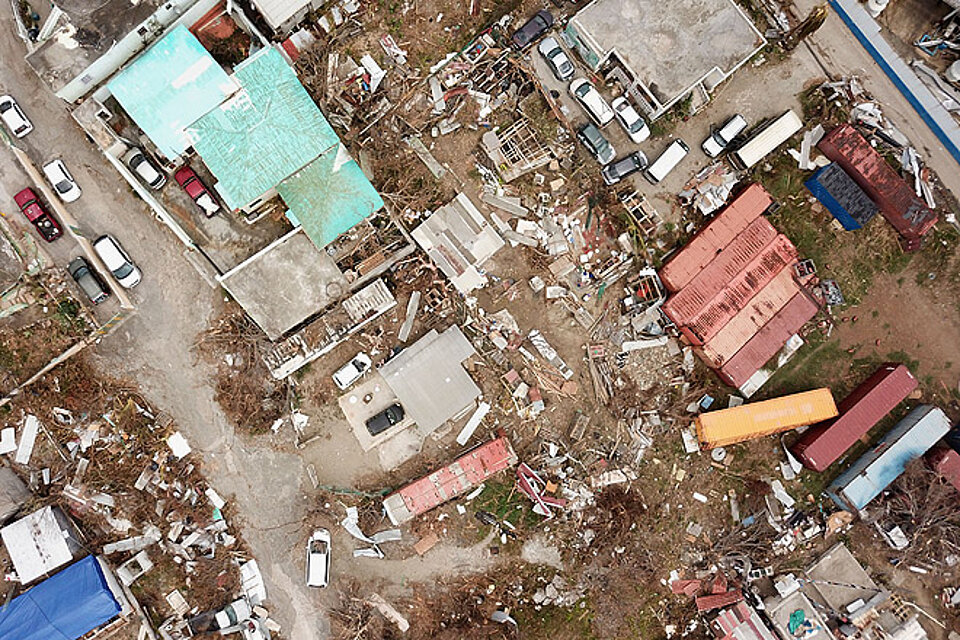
(63, 607)
(842, 197)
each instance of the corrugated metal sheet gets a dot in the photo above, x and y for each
(729, 262)
(749, 320)
(875, 470)
(768, 341)
(842, 197)
(946, 462)
(445, 483)
(729, 426)
(866, 405)
(703, 247)
(711, 318)
(897, 201)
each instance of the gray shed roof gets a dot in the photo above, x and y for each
(429, 380)
(13, 493)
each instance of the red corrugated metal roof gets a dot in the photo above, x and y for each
(703, 247)
(711, 318)
(749, 320)
(897, 201)
(768, 341)
(866, 405)
(715, 601)
(729, 261)
(458, 477)
(946, 462)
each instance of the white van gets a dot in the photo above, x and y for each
(667, 161)
(721, 138)
(591, 101)
(766, 140)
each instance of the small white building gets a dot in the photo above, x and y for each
(40, 543)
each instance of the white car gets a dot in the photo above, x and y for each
(352, 371)
(13, 117)
(591, 101)
(318, 559)
(117, 261)
(63, 183)
(634, 125)
(558, 61)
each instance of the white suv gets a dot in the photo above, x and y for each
(591, 101)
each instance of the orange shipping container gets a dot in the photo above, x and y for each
(749, 320)
(729, 426)
(703, 247)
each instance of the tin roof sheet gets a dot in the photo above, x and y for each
(703, 247)
(897, 201)
(264, 133)
(169, 86)
(946, 462)
(329, 196)
(760, 310)
(874, 398)
(768, 341)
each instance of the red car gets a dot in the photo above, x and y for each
(187, 179)
(47, 226)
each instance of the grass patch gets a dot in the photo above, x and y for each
(505, 501)
(557, 622)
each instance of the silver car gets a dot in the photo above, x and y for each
(555, 57)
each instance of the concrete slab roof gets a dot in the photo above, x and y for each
(330, 196)
(779, 611)
(429, 380)
(839, 579)
(169, 86)
(285, 283)
(87, 32)
(277, 12)
(264, 133)
(669, 46)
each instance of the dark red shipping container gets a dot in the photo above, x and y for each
(768, 341)
(898, 203)
(748, 321)
(703, 247)
(866, 405)
(730, 261)
(946, 462)
(711, 318)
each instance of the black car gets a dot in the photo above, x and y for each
(594, 141)
(88, 280)
(617, 171)
(385, 419)
(532, 29)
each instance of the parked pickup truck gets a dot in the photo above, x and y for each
(46, 225)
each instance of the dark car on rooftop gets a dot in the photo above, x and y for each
(385, 419)
(532, 29)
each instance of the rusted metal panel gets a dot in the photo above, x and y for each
(729, 261)
(749, 320)
(866, 405)
(768, 341)
(755, 419)
(946, 462)
(706, 321)
(703, 247)
(898, 203)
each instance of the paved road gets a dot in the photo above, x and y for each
(153, 348)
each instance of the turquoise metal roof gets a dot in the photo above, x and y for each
(264, 133)
(329, 196)
(169, 86)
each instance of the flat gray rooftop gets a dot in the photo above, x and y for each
(94, 27)
(839, 579)
(670, 45)
(285, 283)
